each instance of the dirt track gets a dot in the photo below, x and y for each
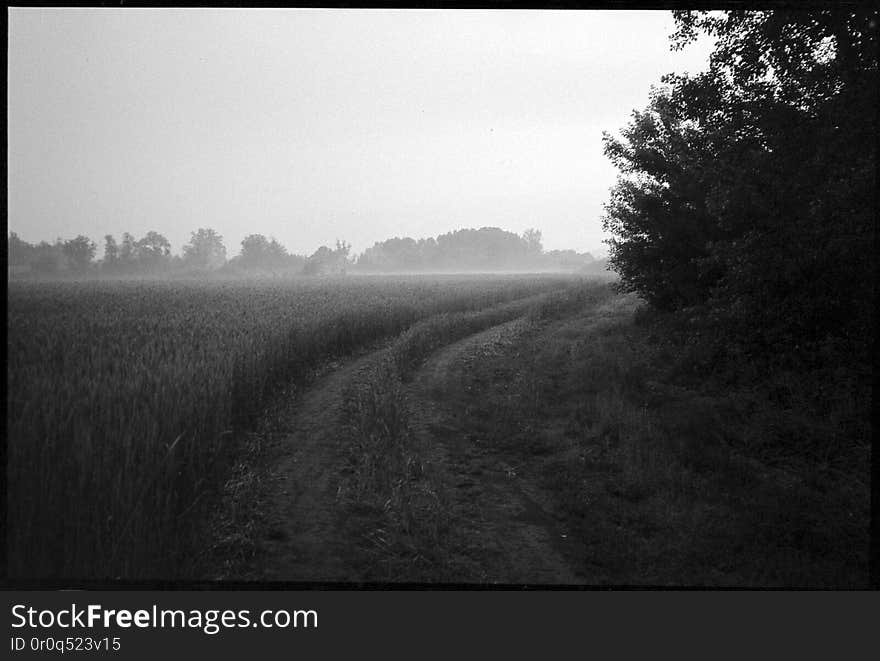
(510, 537)
(537, 462)
(303, 543)
(514, 539)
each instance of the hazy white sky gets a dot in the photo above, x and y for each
(313, 125)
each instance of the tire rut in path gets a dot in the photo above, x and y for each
(512, 535)
(303, 542)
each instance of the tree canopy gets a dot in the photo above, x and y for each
(327, 261)
(205, 251)
(486, 248)
(746, 192)
(259, 252)
(79, 252)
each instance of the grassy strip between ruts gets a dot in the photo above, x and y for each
(392, 494)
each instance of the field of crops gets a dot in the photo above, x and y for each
(124, 399)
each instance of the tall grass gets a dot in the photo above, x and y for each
(392, 502)
(392, 492)
(678, 481)
(123, 398)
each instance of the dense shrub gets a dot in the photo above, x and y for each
(748, 192)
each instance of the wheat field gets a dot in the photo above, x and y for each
(124, 399)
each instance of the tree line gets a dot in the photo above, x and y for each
(470, 249)
(150, 254)
(487, 248)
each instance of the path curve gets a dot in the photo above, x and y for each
(514, 537)
(511, 537)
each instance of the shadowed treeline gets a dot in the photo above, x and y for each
(744, 216)
(746, 203)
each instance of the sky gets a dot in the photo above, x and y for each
(317, 125)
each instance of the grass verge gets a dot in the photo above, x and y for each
(671, 481)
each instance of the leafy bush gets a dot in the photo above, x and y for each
(747, 195)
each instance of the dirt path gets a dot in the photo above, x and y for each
(509, 536)
(302, 542)
(537, 462)
(513, 536)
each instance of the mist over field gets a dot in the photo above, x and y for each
(510, 298)
(315, 126)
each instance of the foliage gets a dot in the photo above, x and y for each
(48, 258)
(79, 252)
(20, 252)
(205, 251)
(153, 251)
(111, 254)
(532, 239)
(747, 191)
(150, 254)
(128, 253)
(327, 261)
(487, 248)
(259, 252)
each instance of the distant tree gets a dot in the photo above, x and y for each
(254, 249)
(21, 253)
(153, 251)
(340, 256)
(259, 252)
(79, 252)
(565, 260)
(128, 253)
(324, 260)
(111, 254)
(532, 238)
(317, 261)
(276, 254)
(484, 248)
(205, 250)
(428, 252)
(47, 257)
(393, 254)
